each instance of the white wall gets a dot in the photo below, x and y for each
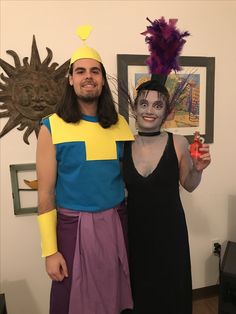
(210, 210)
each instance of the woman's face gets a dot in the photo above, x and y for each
(150, 110)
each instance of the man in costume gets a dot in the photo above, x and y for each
(154, 165)
(80, 191)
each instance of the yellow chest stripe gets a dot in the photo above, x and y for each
(100, 143)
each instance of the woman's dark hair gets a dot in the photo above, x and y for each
(69, 110)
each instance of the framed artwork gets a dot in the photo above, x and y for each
(24, 188)
(194, 110)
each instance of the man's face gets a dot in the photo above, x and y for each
(150, 111)
(87, 79)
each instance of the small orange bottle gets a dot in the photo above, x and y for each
(197, 143)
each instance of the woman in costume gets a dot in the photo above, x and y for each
(153, 167)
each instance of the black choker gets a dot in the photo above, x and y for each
(149, 133)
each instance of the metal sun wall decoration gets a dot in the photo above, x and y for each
(30, 91)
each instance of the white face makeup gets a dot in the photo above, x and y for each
(150, 111)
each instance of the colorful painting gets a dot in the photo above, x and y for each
(194, 108)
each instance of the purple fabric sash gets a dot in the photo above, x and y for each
(97, 261)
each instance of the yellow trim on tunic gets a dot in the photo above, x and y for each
(100, 143)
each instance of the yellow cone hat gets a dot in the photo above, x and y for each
(85, 52)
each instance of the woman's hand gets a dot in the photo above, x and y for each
(204, 160)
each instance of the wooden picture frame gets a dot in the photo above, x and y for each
(24, 189)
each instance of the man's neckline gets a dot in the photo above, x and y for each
(89, 118)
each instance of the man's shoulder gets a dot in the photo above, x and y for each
(121, 119)
(49, 116)
(123, 129)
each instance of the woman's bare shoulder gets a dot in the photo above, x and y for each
(180, 140)
(181, 145)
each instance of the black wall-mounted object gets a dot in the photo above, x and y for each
(3, 308)
(227, 292)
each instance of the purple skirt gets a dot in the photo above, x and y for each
(94, 249)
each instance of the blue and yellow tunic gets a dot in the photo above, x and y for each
(88, 162)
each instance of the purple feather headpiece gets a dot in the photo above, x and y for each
(165, 45)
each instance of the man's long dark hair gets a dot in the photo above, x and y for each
(69, 110)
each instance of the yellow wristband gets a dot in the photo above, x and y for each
(47, 228)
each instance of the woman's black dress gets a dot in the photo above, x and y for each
(158, 238)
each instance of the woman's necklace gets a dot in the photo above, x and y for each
(149, 133)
